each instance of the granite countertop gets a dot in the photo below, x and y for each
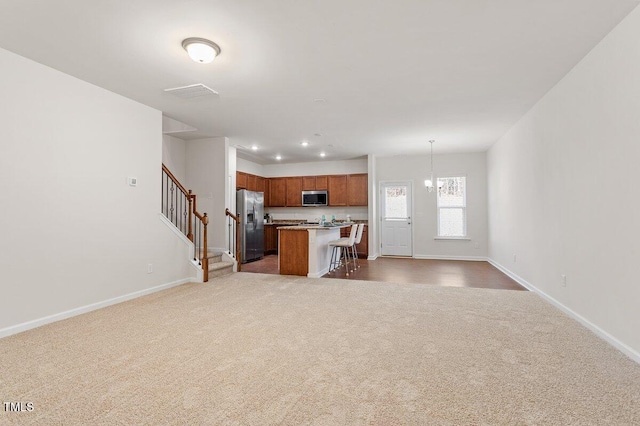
(307, 227)
(286, 222)
(294, 222)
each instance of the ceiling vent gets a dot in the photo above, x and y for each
(192, 91)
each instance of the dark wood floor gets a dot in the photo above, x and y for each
(266, 265)
(446, 273)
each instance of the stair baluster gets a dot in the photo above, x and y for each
(175, 199)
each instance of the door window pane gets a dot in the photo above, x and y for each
(395, 202)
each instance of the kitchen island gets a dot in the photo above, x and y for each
(304, 249)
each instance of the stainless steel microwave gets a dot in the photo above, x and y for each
(314, 198)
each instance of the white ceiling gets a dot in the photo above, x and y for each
(392, 74)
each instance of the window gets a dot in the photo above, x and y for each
(452, 206)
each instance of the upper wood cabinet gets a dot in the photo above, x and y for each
(322, 183)
(308, 183)
(241, 180)
(251, 182)
(259, 184)
(344, 190)
(337, 190)
(267, 191)
(277, 192)
(294, 192)
(357, 189)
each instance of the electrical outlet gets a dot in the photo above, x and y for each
(563, 280)
(477, 245)
(515, 259)
(149, 268)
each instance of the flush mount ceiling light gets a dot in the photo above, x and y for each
(278, 157)
(322, 154)
(200, 49)
(304, 143)
(254, 147)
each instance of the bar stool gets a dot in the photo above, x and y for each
(354, 249)
(342, 248)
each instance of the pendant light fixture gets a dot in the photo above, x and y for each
(200, 49)
(429, 181)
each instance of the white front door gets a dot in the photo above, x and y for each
(395, 211)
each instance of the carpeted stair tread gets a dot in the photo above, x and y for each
(219, 265)
(218, 269)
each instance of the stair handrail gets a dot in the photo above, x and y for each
(234, 244)
(199, 240)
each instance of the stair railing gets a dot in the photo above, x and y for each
(233, 223)
(179, 205)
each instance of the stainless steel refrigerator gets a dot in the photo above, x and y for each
(250, 206)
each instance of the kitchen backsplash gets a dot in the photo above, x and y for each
(314, 214)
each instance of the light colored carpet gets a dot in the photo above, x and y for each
(263, 349)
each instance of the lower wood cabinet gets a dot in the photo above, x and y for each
(270, 239)
(294, 252)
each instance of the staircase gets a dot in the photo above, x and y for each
(217, 266)
(179, 206)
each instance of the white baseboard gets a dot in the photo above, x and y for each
(372, 257)
(318, 274)
(472, 258)
(628, 351)
(14, 329)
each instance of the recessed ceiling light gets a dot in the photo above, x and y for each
(319, 100)
(200, 49)
(322, 154)
(278, 157)
(317, 134)
(304, 143)
(254, 148)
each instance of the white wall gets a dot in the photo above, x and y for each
(250, 167)
(174, 156)
(207, 177)
(74, 233)
(315, 168)
(563, 190)
(424, 223)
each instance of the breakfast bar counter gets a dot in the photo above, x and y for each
(304, 249)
